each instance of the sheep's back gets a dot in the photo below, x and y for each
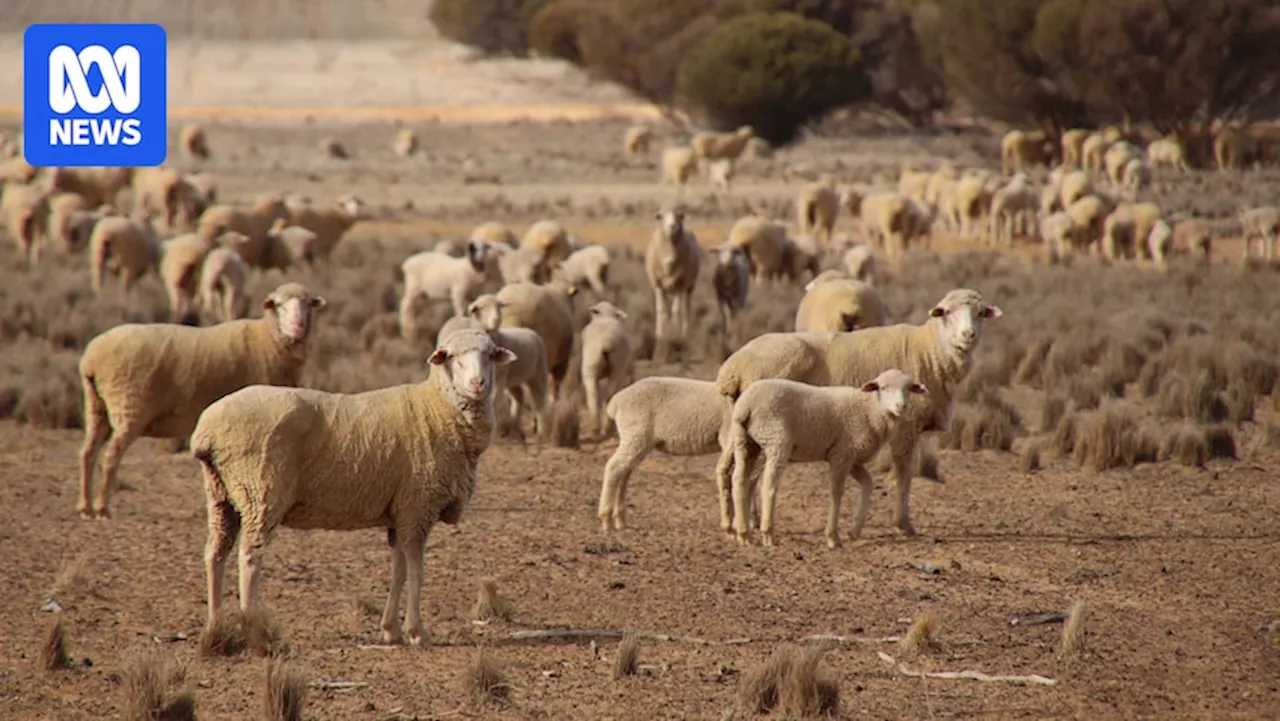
(683, 415)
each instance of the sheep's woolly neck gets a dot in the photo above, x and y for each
(475, 416)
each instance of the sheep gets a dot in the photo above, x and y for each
(158, 190)
(548, 311)
(1116, 158)
(838, 305)
(721, 174)
(606, 358)
(17, 170)
(587, 267)
(731, 279)
(671, 262)
(885, 215)
(1074, 186)
(198, 192)
(405, 143)
(786, 421)
(131, 242)
(817, 206)
(1135, 176)
(62, 208)
(152, 380)
(1194, 236)
(913, 183)
(522, 265)
(1020, 150)
(1159, 243)
(495, 232)
(800, 254)
(194, 143)
(1089, 215)
(181, 260)
(79, 225)
(1168, 152)
(708, 145)
(1234, 147)
(26, 214)
(1264, 224)
(329, 224)
(635, 142)
(333, 148)
(223, 277)
(551, 238)
(99, 185)
(758, 149)
(400, 458)
(433, 276)
(253, 222)
(859, 262)
(299, 244)
(920, 218)
(970, 200)
(940, 186)
(1008, 205)
(1092, 151)
(937, 354)
(764, 243)
(678, 165)
(1061, 234)
(527, 376)
(1072, 142)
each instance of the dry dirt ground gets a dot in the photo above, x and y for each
(1115, 444)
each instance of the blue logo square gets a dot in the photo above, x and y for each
(94, 94)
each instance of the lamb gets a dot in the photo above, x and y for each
(817, 207)
(587, 267)
(253, 222)
(548, 311)
(1020, 150)
(708, 145)
(1264, 224)
(26, 213)
(1072, 142)
(672, 261)
(838, 305)
(551, 238)
(222, 285)
(522, 265)
(131, 242)
(731, 279)
(764, 243)
(636, 141)
(329, 224)
(433, 276)
(152, 380)
(1169, 152)
(526, 377)
(495, 232)
(606, 358)
(937, 354)
(678, 165)
(194, 143)
(786, 421)
(405, 143)
(181, 259)
(400, 458)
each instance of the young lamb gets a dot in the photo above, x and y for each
(731, 279)
(526, 377)
(131, 242)
(587, 267)
(672, 261)
(434, 276)
(152, 380)
(817, 207)
(223, 278)
(401, 458)
(838, 305)
(937, 354)
(791, 422)
(606, 358)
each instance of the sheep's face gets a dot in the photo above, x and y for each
(294, 307)
(479, 253)
(962, 313)
(487, 311)
(892, 390)
(468, 360)
(672, 222)
(351, 206)
(605, 309)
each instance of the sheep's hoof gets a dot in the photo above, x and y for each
(833, 542)
(605, 523)
(766, 538)
(906, 528)
(102, 514)
(416, 639)
(85, 513)
(744, 539)
(391, 637)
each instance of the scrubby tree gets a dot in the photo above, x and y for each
(773, 71)
(494, 26)
(904, 72)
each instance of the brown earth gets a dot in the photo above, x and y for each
(1178, 564)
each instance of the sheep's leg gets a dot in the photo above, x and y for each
(837, 471)
(414, 552)
(228, 305)
(408, 324)
(391, 611)
(617, 474)
(96, 432)
(591, 389)
(659, 313)
(866, 485)
(253, 542)
(224, 528)
(741, 490)
(725, 472)
(121, 439)
(901, 469)
(768, 496)
(682, 303)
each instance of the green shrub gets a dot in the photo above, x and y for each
(839, 14)
(772, 71)
(494, 26)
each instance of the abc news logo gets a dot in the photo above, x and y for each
(69, 89)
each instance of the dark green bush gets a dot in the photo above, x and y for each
(772, 71)
(494, 26)
(839, 14)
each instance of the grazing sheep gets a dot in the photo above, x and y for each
(860, 263)
(800, 254)
(1062, 235)
(26, 214)
(181, 259)
(1262, 223)
(709, 145)
(970, 201)
(1135, 176)
(1074, 186)
(495, 232)
(764, 242)
(1234, 147)
(131, 243)
(937, 354)
(548, 311)
(17, 170)
(152, 380)
(1093, 151)
(636, 141)
(817, 207)
(1117, 158)
(549, 237)
(672, 261)
(787, 421)
(678, 165)
(98, 186)
(1167, 152)
(721, 174)
(223, 278)
(300, 245)
(527, 376)
(405, 143)
(1013, 203)
(1194, 236)
(1021, 150)
(1089, 214)
(587, 267)
(400, 458)
(194, 143)
(1072, 142)
(253, 222)
(159, 191)
(329, 224)
(731, 279)
(885, 216)
(838, 305)
(606, 358)
(430, 276)
(80, 224)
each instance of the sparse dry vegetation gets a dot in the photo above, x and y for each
(284, 691)
(790, 683)
(54, 655)
(485, 681)
(627, 662)
(490, 604)
(234, 632)
(922, 636)
(1073, 630)
(156, 689)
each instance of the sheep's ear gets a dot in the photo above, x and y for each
(870, 387)
(991, 311)
(849, 321)
(502, 356)
(438, 357)
(622, 314)
(918, 388)
(317, 302)
(268, 303)
(937, 311)
(657, 216)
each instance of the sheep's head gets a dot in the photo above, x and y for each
(672, 220)
(350, 206)
(467, 360)
(605, 309)
(487, 310)
(893, 389)
(293, 307)
(479, 253)
(727, 254)
(271, 206)
(961, 313)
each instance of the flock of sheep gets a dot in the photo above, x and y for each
(842, 388)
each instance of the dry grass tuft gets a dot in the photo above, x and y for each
(565, 424)
(53, 654)
(1029, 461)
(1186, 444)
(922, 636)
(1073, 631)
(1063, 442)
(1111, 438)
(628, 660)
(1051, 412)
(485, 681)
(991, 424)
(74, 580)
(285, 691)
(790, 683)
(234, 632)
(156, 690)
(1197, 399)
(490, 604)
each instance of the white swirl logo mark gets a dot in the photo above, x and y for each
(69, 86)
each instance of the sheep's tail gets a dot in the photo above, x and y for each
(729, 385)
(101, 249)
(203, 451)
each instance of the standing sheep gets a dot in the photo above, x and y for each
(1117, 158)
(152, 380)
(548, 311)
(1092, 152)
(764, 242)
(709, 146)
(131, 242)
(522, 265)
(181, 259)
(1262, 223)
(549, 237)
(223, 278)
(606, 358)
(838, 305)
(524, 378)
(1159, 244)
(1072, 142)
(721, 174)
(1136, 176)
(636, 141)
(786, 421)
(937, 354)
(62, 209)
(678, 166)
(194, 142)
(672, 261)
(430, 276)
(495, 232)
(26, 214)
(817, 207)
(1020, 150)
(329, 224)
(1167, 152)
(731, 279)
(401, 458)
(253, 222)
(587, 267)
(296, 245)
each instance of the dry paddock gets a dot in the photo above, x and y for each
(1115, 444)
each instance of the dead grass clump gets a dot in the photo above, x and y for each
(1065, 436)
(1051, 412)
(1186, 444)
(1196, 400)
(490, 604)
(53, 654)
(791, 683)
(233, 632)
(1086, 392)
(50, 401)
(1067, 356)
(988, 373)
(922, 636)
(1031, 370)
(992, 424)
(1152, 376)
(1222, 442)
(156, 690)
(1266, 437)
(285, 691)
(628, 659)
(485, 681)
(1121, 365)
(1112, 438)
(1250, 367)
(1240, 401)
(74, 580)
(1029, 461)
(1073, 631)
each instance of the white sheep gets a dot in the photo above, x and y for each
(223, 278)
(181, 259)
(301, 245)
(860, 263)
(550, 237)
(401, 458)
(817, 207)
(731, 279)
(937, 354)
(253, 221)
(885, 216)
(1061, 234)
(495, 232)
(709, 145)
(434, 276)
(1011, 208)
(1117, 157)
(521, 265)
(26, 213)
(606, 358)
(1262, 223)
(672, 261)
(721, 173)
(524, 378)
(678, 165)
(405, 142)
(1167, 152)
(547, 310)
(587, 267)
(1159, 243)
(764, 242)
(835, 305)
(329, 224)
(787, 421)
(1135, 176)
(131, 243)
(152, 380)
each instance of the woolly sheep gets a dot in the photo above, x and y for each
(764, 243)
(301, 245)
(913, 183)
(81, 223)
(1092, 151)
(1159, 243)
(1116, 158)
(99, 185)
(970, 201)
(329, 224)
(786, 421)
(223, 278)
(731, 279)
(1020, 150)
(1089, 215)
(522, 265)
(678, 165)
(708, 145)
(1061, 234)
(430, 276)
(817, 206)
(26, 214)
(253, 221)
(800, 254)
(1135, 176)
(62, 207)
(152, 380)
(405, 143)
(550, 237)
(885, 216)
(1167, 152)
(194, 142)
(838, 305)
(495, 232)
(1262, 223)
(400, 458)
(606, 358)
(548, 311)
(131, 242)
(1234, 147)
(1072, 143)
(1009, 205)
(721, 174)
(158, 190)
(181, 259)
(17, 170)
(1074, 186)
(636, 140)
(526, 376)
(1194, 236)
(940, 186)
(671, 262)
(937, 354)
(860, 263)
(587, 267)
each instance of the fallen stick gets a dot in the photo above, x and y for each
(832, 638)
(337, 685)
(555, 633)
(902, 669)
